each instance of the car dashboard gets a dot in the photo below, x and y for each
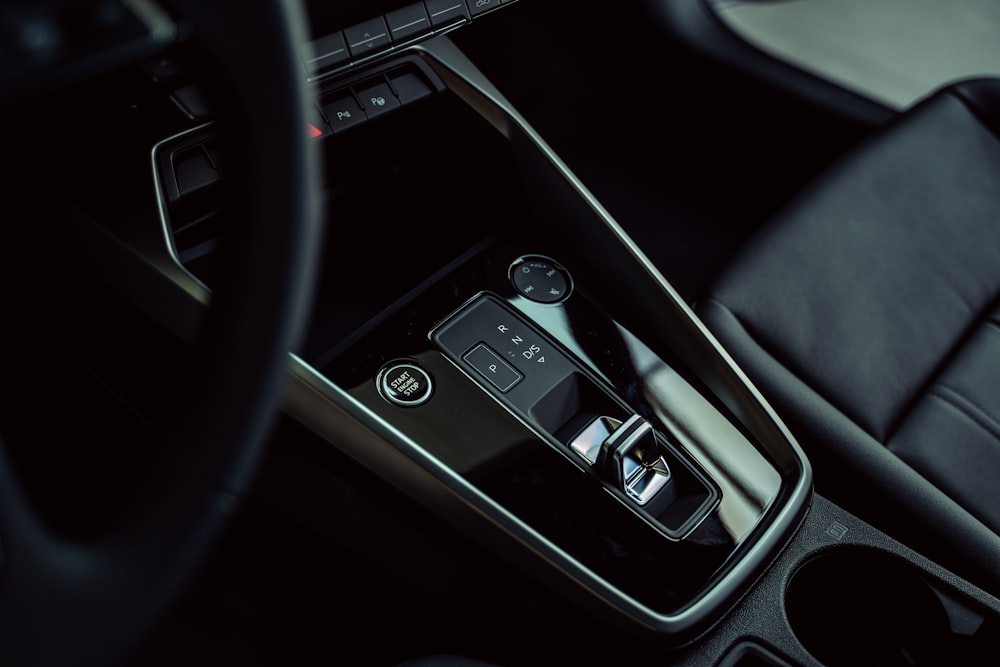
(489, 350)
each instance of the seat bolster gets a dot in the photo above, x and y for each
(867, 282)
(952, 435)
(858, 473)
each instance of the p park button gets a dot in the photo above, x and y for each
(404, 383)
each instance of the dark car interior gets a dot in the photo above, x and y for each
(488, 332)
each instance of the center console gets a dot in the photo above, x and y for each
(487, 339)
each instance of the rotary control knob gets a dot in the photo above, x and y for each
(540, 279)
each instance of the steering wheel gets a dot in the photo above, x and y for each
(67, 603)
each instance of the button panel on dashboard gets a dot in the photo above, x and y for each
(379, 35)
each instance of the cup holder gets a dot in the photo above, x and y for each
(862, 607)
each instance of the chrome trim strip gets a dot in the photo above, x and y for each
(190, 282)
(161, 206)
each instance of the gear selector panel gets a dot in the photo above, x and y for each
(524, 369)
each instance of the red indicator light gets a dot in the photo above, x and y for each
(314, 131)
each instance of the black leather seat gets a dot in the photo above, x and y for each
(868, 313)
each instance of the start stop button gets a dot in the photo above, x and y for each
(404, 383)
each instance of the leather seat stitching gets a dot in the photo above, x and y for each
(986, 319)
(969, 408)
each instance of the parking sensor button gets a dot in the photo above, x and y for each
(342, 112)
